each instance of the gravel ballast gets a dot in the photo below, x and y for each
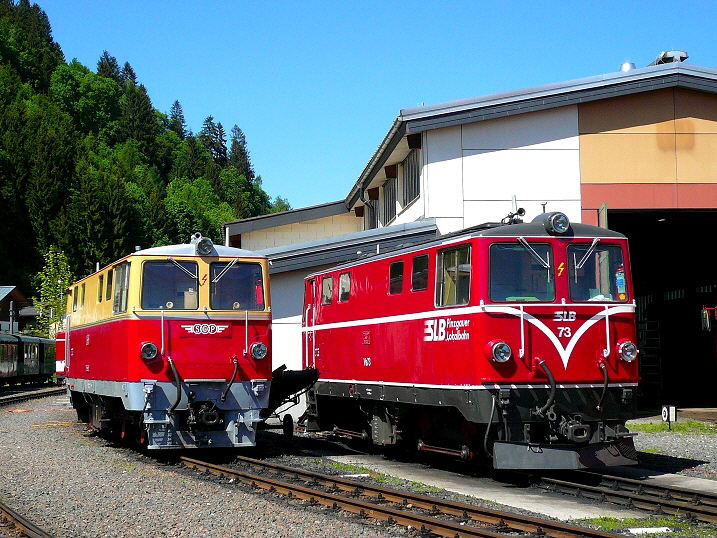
(75, 484)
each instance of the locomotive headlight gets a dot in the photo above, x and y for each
(148, 351)
(258, 350)
(627, 350)
(558, 223)
(204, 246)
(499, 351)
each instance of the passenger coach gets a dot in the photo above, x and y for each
(510, 342)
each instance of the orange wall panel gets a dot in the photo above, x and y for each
(650, 112)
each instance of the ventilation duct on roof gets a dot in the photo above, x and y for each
(670, 56)
(627, 66)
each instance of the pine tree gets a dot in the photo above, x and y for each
(239, 155)
(214, 139)
(128, 74)
(176, 120)
(108, 67)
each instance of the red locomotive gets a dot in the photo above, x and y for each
(171, 345)
(511, 342)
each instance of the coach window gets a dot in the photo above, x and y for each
(395, 278)
(521, 272)
(121, 288)
(236, 286)
(170, 284)
(453, 276)
(419, 273)
(100, 288)
(344, 287)
(597, 273)
(75, 296)
(82, 296)
(326, 288)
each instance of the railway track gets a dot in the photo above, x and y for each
(22, 525)
(31, 395)
(442, 518)
(675, 501)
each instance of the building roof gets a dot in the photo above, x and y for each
(347, 247)
(419, 119)
(292, 216)
(15, 294)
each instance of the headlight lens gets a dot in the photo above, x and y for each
(499, 351)
(627, 350)
(258, 350)
(148, 351)
(559, 223)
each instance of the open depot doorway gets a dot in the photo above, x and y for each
(674, 276)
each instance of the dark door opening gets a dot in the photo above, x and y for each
(674, 276)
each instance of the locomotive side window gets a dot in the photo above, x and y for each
(453, 276)
(419, 273)
(344, 287)
(100, 288)
(82, 298)
(597, 273)
(236, 286)
(108, 295)
(395, 278)
(326, 289)
(521, 273)
(75, 296)
(170, 284)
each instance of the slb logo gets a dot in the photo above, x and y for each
(442, 329)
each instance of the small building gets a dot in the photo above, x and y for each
(16, 311)
(633, 150)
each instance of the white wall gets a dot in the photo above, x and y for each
(472, 172)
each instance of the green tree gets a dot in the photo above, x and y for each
(52, 282)
(108, 67)
(138, 119)
(213, 138)
(239, 155)
(176, 120)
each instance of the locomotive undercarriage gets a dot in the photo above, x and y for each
(156, 415)
(510, 427)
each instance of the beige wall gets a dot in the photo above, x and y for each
(664, 136)
(308, 230)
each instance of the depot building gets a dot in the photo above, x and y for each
(634, 150)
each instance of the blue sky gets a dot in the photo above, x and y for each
(315, 86)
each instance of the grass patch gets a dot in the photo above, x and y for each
(691, 427)
(680, 527)
(381, 478)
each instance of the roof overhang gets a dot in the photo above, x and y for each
(347, 247)
(425, 118)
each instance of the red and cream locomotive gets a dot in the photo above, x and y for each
(171, 345)
(511, 342)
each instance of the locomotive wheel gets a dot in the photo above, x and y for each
(287, 425)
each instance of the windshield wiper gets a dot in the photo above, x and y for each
(187, 271)
(587, 254)
(223, 271)
(545, 263)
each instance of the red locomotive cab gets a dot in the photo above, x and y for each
(483, 342)
(173, 344)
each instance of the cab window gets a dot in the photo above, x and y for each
(236, 286)
(453, 276)
(521, 272)
(597, 273)
(121, 288)
(171, 285)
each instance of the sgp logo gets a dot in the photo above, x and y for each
(205, 328)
